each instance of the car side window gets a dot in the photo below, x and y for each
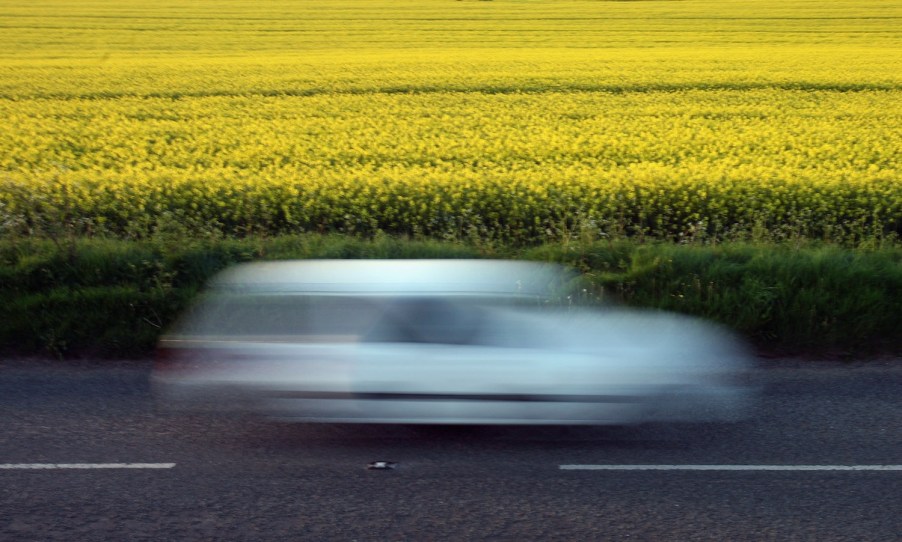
(259, 316)
(427, 321)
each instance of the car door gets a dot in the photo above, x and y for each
(444, 362)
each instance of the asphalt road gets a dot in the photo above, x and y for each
(245, 479)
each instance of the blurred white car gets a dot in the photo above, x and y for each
(440, 342)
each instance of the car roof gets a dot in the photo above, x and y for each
(397, 277)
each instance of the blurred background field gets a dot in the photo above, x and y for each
(495, 126)
(515, 121)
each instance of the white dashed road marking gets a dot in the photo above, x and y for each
(790, 468)
(44, 466)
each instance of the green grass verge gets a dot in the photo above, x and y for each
(114, 298)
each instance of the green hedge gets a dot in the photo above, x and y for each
(113, 298)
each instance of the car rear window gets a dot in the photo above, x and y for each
(242, 315)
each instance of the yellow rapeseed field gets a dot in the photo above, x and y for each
(513, 120)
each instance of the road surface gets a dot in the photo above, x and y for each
(86, 456)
